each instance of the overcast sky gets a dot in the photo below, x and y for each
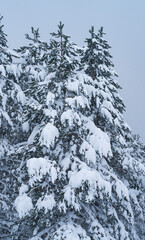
(123, 22)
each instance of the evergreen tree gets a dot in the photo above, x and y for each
(97, 63)
(11, 100)
(71, 185)
(35, 52)
(108, 112)
(62, 57)
(34, 58)
(89, 58)
(33, 61)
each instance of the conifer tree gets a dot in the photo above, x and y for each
(33, 61)
(71, 187)
(11, 100)
(89, 58)
(62, 58)
(34, 58)
(108, 111)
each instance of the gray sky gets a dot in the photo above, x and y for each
(123, 21)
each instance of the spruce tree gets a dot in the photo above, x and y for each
(62, 57)
(108, 111)
(79, 177)
(11, 100)
(33, 61)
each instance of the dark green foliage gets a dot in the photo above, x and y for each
(62, 57)
(70, 164)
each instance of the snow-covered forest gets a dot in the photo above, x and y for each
(70, 166)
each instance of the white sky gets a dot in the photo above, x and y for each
(123, 21)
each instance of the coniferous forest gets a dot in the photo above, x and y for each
(70, 166)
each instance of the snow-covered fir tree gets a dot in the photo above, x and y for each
(11, 101)
(81, 179)
(68, 161)
(34, 58)
(108, 105)
(63, 56)
(33, 61)
(109, 109)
